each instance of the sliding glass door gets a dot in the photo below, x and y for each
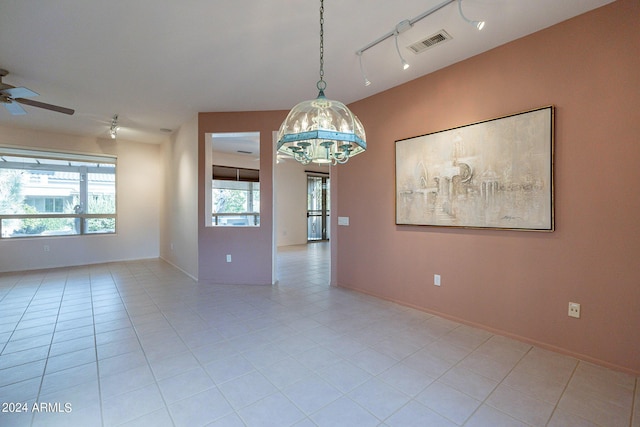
(317, 208)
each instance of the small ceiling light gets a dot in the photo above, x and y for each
(478, 24)
(113, 130)
(408, 23)
(405, 64)
(321, 130)
(367, 82)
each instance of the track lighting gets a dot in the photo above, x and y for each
(405, 64)
(478, 24)
(113, 130)
(367, 82)
(404, 26)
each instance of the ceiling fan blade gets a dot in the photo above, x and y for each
(45, 106)
(14, 108)
(20, 92)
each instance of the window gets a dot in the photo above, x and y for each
(47, 193)
(235, 196)
(232, 180)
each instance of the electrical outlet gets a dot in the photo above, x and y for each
(436, 279)
(228, 257)
(574, 310)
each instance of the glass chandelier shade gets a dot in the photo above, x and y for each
(321, 130)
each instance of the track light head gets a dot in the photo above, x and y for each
(367, 82)
(405, 64)
(407, 24)
(113, 130)
(478, 24)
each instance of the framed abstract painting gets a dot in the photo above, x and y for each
(495, 174)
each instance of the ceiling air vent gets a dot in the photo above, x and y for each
(429, 42)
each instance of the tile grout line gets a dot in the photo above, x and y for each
(95, 344)
(483, 402)
(46, 361)
(257, 369)
(156, 381)
(564, 389)
(164, 291)
(413, 398)
(4, 296)
(23, 313)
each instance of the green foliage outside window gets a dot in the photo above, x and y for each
(30, 191)
(10, 191)
(40, 225)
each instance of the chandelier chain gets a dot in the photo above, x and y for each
(321, 83)
(321, 130)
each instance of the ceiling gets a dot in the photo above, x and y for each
(157, 63)
(237, 143)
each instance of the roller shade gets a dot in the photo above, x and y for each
(228, 173)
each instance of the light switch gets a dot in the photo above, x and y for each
(343, 220)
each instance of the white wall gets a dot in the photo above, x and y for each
(139, 179)
(291, 201)
(236, 160)
(157, 203)
(179, 230)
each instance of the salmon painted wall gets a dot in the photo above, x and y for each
(517, 283)
(250, 247)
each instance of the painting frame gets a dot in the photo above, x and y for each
(493, 174)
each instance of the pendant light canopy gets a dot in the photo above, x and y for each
(321, 130)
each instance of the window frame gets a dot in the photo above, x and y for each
(246, 177)
(82, 166)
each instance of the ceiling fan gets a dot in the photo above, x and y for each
(12, 96)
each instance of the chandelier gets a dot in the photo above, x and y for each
(321, 130)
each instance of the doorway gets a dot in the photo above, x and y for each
(317, 208)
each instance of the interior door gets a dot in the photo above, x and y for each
(317, 208)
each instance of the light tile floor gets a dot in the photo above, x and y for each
(141, 344)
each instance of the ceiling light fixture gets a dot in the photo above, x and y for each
(367, 82)
(401, 28)
(113, 130)
(321, 130)
(478, 24)
(408, 23)
(405, 64)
